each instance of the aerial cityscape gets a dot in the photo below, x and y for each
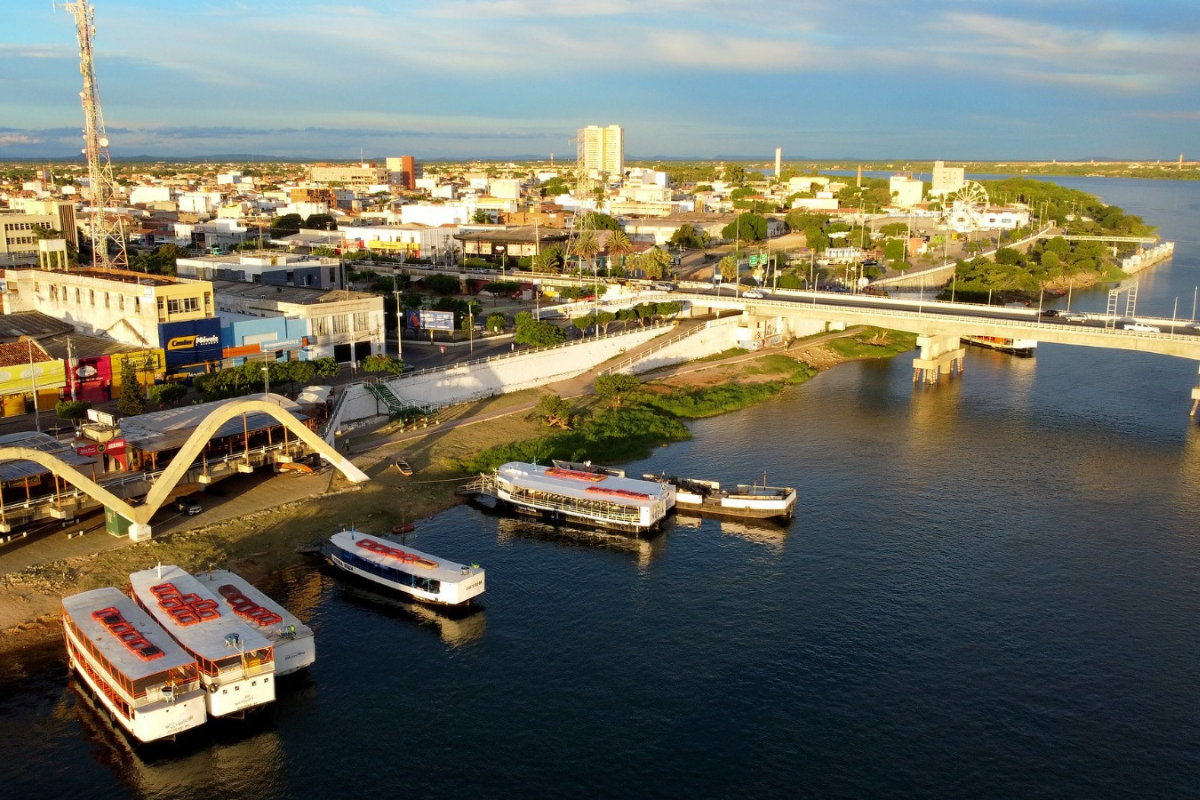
(599, 399)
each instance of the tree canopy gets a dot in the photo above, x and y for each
(746, 227)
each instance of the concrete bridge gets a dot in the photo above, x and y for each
(940, 326)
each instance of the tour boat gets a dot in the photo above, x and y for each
(295, 646)
(745, 502)
(591, 497)
(419, 575)
(1018, 347)
(146, 681)
(236, 662)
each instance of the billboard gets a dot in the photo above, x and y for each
(437, 320)
(191, 342)
(40, 375)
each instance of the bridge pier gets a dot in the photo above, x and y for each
(1195, 400)
(938, 354)
(139, 532)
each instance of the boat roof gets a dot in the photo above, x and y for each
(445, 571)
(79, 608)
(206, 638)
(535, 478)
(220, 577)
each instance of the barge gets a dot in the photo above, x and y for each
(753, 501)
(235, 661)
(1023, 348)
(148, 684)
(592, 497)
(295, 646)
(414, 573)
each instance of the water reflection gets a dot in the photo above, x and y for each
(646, 550)
(455, 626)
(239, 758)
(760, 532)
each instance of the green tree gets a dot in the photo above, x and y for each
(555, 412)
(746, 227)
(320, 222)
(604, 319)
(496, 323)
(728, 268)
(597, 221)
(285, 225)
(130, 402)
(586, 246)
(442, 284)
(167, 394)
(480, 217)
(655, 264)
(618, 246)
(616, 386)
(548, 260)
(537, 333)
(894, 229)
(327, 367)
(383, 363)
(73, 410)
(1050, 261)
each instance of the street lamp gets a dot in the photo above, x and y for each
(266, 371)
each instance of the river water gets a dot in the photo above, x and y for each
(991, 588)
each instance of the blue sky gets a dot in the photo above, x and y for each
(974, 79)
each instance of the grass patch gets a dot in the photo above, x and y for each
(778, 364)
(874, 343)
(724, 354)
(615, 434)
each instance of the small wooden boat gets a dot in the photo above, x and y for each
(402, 467)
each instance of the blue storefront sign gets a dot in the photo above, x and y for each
(192, 342)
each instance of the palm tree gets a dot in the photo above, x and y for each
(619, 246)
(586, 245)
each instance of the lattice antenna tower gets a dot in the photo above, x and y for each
(105, 233)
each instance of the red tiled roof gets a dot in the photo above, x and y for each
(15, 353)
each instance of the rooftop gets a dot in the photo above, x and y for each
(80, 607)
(34, 324)
(18, 470)
(525, 234)
(299, 295)
(171, 427)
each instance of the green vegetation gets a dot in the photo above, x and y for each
(73, 410)
(130, 402)
(713, 400)
(610, 436)
(746, 227)
(874, 343)
(382, 363)
(537, 333)
(167, 394)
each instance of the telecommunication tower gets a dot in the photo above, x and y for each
(105, 232)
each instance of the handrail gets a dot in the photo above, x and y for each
(657, 347)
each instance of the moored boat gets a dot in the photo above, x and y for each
(593, 496)
(412, 572)
(236, 662)
(295, 646)
(1022, 348)
(751, 501)
(147, 682)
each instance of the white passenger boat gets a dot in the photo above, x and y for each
(591, 497)
(295, 646)
(236, 662)
(417, 574)
(148, 683)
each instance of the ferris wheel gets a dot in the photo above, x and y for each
(966, 206)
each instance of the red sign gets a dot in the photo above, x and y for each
(100, 448)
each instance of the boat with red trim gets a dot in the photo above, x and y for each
(236, 661)
(148, 683)
(295, 646)
(420, 575)
(582, 495)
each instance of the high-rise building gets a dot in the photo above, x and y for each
(946, 179)
(602, 149)
(403, 171)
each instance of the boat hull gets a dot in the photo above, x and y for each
(560, 517)
(716, 510)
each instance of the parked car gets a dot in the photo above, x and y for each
(1142, 327)
(1051, 312)
(188, 506)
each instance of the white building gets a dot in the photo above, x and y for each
(346, 325)
(144, 195)
(602, 150)
(434, 216)
(199, 202)
(506, 188)
(946, 179)
(906, 192)
(414, 241)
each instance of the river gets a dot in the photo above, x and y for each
(990, 588)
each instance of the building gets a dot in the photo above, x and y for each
(357, 175)
(262, 339)
(506, 245)
(268, 267)
(946, 179)
(906, 192)
(132, 307)
(602, 150)
(403, 171)
(411, 241)
(19, 237)
(62, 212)
(346, 325)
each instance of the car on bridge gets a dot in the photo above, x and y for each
(1072, 316)
(753, 294)
(1142, 327)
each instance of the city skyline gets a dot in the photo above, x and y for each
(499, 78)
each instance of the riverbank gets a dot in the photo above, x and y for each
(264, 541)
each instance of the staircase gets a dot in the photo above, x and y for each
(384, 394)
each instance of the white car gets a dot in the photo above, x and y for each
(1142, 327)
(753, 294)
(1072, 316)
